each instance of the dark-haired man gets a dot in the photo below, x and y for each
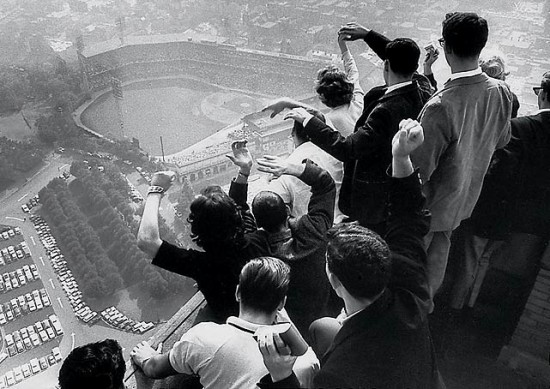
(94, 366)
(367, 152)
(463, 123)
(226, 355)
(300, 243)
(384, 341)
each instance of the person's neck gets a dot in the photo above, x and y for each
(256, 317)
(354, 305)
(395, 79)
(459, 65)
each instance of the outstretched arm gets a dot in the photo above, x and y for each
(148, 238)
(377, 42)
(286, 103)
(151, 361)
(409, 221)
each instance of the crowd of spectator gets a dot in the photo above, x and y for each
(304, 300)
(219, 64)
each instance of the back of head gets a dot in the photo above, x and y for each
(360, 259)
(269, 209)
(545, 83)
(465, 34)
(333, 87)
(403, 55)
(263, 284)
(215, 220)
(94, 366)
(494, 67)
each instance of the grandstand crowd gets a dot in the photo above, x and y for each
(328, 278)
(219, 64)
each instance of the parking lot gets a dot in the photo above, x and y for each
(26, 308)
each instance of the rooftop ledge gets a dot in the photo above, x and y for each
(168, 334)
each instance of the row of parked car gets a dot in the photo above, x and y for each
(64, 274)
(10, 233)
(117, 319)
(33, 336)
(34, 366)
(24, 304)
(33, 202)
(19, 277)
(14, 253)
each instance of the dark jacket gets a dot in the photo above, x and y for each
(367, 152)
(388, 344)
(303, 247)
(516, 191)
(217, 271)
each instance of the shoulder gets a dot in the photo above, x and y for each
(207, 335)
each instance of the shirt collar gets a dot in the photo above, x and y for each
(243, 325)
(542, 110)
(467, 73)
(397, 86)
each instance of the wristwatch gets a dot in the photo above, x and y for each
(156, 189)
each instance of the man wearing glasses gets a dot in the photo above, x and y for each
(464, 123)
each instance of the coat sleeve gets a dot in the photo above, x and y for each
(408, 223)
(239, 192)
(366, 139)
(320, 213)
(178, 260)
(438, 135)
(377, 42)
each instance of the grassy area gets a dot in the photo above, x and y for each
(182, 111)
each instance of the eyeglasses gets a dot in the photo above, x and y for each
(537, 89)
(441, 41)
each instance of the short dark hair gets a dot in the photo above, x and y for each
(298, 129)
(263, 284)
(333, 87)
(269, 209)
(94, 366)
(403, 55)
(545, 83)
(360, 259)
(215, 220)
(465, 33)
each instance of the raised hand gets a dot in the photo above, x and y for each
(407, 139)
(431, 57)
(276, 355)
(279, 166)
(278, 106)
(241, 156)
(164, 179)
(353, 31)
(297, 114)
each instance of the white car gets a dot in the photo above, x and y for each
(35, 366)
(57, 354)
(10, 378)
(35, 340)
(26, 369)
(50, 333)
(43, 336)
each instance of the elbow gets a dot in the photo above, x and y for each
(150, 370)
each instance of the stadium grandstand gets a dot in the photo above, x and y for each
(177, 54)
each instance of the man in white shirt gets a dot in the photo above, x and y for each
(227, 355)
(294, 192)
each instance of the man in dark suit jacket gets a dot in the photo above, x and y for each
(367, 152)
(384, 342)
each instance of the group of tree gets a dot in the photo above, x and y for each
(56, 84)
(97, 275)
(103, 197)
(17, 158)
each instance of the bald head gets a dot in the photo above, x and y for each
(269, 210)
